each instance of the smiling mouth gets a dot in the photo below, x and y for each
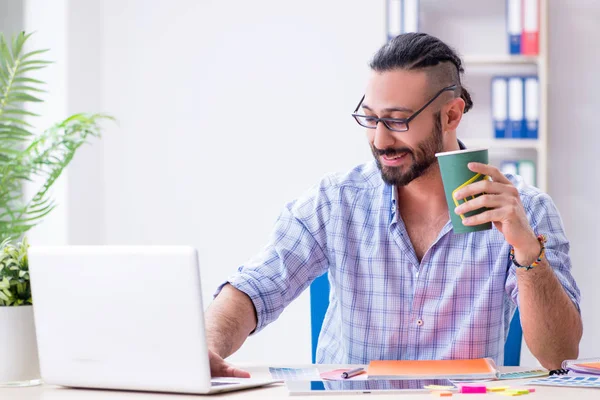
(395, 157)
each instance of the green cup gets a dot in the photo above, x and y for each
(456, 175)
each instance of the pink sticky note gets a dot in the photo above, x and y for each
(472, 389)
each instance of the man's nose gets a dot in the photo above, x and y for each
(383, 137)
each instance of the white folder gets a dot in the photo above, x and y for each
(411, 16)
(514, 25)
(515, 108)
(402, 17)
(527, 171)
(532, 106)
(394, 18)
(500, 106)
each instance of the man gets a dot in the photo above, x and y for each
(404, 286)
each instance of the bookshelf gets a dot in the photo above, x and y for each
(477, 30)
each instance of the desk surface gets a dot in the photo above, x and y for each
(278, 391)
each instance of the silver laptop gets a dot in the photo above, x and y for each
(123, 317)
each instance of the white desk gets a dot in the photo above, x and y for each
(279, 391)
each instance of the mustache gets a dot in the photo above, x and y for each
(389, 152)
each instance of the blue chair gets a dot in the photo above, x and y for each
(319, 301)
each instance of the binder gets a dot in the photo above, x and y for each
(515, 108)
(394, 18)
(530, 39)
(509, 167)
(402, 17)
(526, 170)
(532, 106)
(589, 366)
(500, 106)
(411, 16)
(514, 25)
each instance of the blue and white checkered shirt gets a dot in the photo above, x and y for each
(384, 304)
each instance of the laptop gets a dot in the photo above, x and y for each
(123, 317)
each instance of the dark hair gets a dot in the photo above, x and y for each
(414, 51)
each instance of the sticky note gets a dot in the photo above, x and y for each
(442, 394)
(472, 389)
(517, 391)
(498, 388)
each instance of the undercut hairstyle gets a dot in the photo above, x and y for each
(423, 52)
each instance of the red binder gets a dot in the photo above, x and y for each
(530, 38)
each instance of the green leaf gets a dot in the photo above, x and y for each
(26, 88)
(28, 80)
(34, 53)
(22, 96)
(34, 63)
(29, 69)
(4, 296)
(14, 121)
(16, 111)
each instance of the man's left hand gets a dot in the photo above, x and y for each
(505, 210)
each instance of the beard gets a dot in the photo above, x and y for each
(422, 157)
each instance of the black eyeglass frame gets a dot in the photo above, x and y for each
(404, 121)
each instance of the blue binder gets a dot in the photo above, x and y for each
(402, 17)
(514, 25)
(532, 106)
(499, 106)
(516, 108)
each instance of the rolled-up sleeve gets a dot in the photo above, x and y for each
(293, 258)
(545, 219)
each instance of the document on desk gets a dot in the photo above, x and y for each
(482, 368)
(590, 366)
(568, 381)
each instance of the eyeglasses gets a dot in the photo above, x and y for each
(393, 124)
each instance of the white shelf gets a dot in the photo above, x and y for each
(500, 59)
(503, 143)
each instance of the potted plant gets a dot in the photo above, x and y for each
(26, 156)
(16, 317)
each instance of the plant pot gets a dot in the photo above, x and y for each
(19, 364)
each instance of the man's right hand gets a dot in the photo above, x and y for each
(220, 368)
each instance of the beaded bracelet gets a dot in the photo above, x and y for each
(542, 239)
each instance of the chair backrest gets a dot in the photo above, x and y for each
(319, 301)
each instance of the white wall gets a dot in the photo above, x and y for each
(227, 110)
(213, 137)
(574, 101)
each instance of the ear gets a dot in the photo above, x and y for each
(452, 113)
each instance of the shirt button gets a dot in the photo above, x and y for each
(419, 322)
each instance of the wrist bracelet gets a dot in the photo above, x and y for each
(542, 239)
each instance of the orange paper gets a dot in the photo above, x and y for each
(430, 367)
(594, 365)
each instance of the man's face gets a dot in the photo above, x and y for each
(403, 156)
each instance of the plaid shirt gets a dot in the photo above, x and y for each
(456, 303)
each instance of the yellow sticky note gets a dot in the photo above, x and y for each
(520, 391)
(498, 388)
